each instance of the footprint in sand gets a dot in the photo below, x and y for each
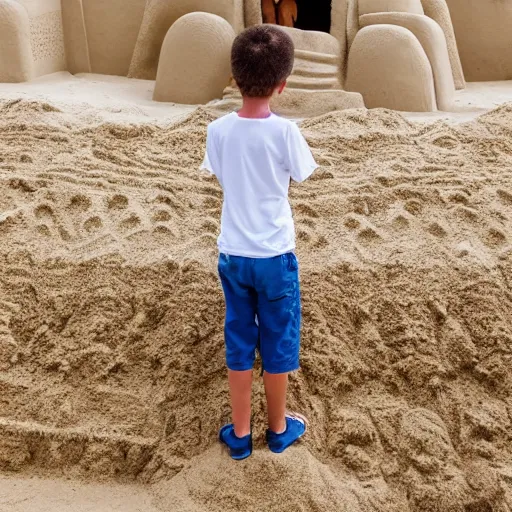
(436, 229)
(117, 202)
(505, 196)
(49, 224)
(93, 225)
(495, 238)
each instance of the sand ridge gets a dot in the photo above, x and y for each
(111, 313)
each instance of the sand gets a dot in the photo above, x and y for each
(111, 350)
(50, 495)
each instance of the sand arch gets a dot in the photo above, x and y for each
(195, 64)
(431, 37)
(16, 63)
(159, 16)
(390, 68)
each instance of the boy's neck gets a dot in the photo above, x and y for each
(255, 108)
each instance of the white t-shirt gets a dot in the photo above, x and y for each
(254, 159)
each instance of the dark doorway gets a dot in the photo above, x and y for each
(314, 15)
(302, 14)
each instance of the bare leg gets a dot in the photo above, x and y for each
(240, 387)
(288, 13)
(275, 389)
(268, 8)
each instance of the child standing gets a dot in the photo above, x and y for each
(254, 154)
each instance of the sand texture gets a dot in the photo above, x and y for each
(49, 495)
(111, 344)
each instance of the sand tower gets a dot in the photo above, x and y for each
(402, 54)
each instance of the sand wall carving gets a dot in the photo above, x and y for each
(389, 67)
(112, 33)
(484, 36)
(195, 63)
(159, 15)
(16, 63)
(46, 35)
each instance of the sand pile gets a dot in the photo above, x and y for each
(111, 314)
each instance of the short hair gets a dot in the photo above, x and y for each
(261, 59)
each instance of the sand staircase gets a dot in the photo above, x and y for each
(315, 71)
(315, 85)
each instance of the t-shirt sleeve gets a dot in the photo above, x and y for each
(299, 159)
(210, 162)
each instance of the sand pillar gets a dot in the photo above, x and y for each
(16, 63)
(439, 12)
(195, 63)
(389, 67)
(159, 16)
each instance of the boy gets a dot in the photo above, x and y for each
(254, 154)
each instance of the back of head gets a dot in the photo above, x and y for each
(261, 59)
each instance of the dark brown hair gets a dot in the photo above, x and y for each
(261, 59)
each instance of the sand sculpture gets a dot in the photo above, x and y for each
(400, 54)
(404, 55)
(201, 69)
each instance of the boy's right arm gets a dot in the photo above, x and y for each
(210, 163)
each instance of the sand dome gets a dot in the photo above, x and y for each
(195, 64)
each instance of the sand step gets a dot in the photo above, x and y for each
(26, 446)
(313, 83)
(315, 71)
(326, 58)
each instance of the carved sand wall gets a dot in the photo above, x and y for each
(484, 36)
(46, 35)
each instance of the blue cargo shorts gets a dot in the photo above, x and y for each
(263, 312)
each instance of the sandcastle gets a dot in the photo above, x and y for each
(399, 54)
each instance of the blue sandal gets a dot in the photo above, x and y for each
(296, 426)
(239, 447)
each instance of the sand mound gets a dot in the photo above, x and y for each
(111, 313)
(298, 481)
